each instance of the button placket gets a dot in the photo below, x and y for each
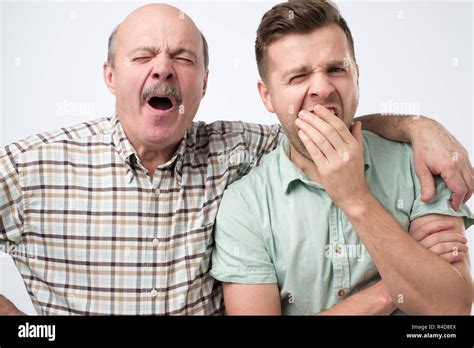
(334, 240)
(149, 233)
(345, 259)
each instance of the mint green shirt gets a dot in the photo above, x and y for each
(276, 225)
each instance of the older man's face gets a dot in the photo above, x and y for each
(159, 76)
(306, 70)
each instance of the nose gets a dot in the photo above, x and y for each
(321, 87)
(163, 69)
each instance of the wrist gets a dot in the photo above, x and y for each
(415, 125)
(384, 298)
(358, 205)
(387, 302)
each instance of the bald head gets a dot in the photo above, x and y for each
(153, 13)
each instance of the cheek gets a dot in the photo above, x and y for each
(124, 86)
(354, 96)
(130, 80)
(192, 90)
(347, 91)
(288, 102)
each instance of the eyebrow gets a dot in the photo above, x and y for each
(150, 49)
(301, 69)
(335, 62)
(154, 50)
(296, 70)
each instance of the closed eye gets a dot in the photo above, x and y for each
(297, 78)
(336, 69)
(185, 60)
(140, 59)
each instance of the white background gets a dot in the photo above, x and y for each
(413, 56)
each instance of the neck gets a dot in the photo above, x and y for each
(307, 166)
(151, 155)
(152, 158)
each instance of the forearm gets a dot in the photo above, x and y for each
(418, 281)
(373, 300)
(8, 308)
(396, 128)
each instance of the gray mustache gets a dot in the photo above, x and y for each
(163, 89)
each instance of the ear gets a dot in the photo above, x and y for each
(357, 69)
(204, 87)
(109, 77)
(264, 92)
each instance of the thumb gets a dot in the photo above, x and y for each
(427, 183)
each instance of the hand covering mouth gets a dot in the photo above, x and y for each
(333, 110)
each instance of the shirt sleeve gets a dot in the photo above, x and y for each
(11, 201)
(261, 139)
(11, 210)
(441, 204)
(239, 254)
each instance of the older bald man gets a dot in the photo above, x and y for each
(117, 214)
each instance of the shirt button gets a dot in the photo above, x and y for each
(157, 191)
(341, 293)
(338, 248)
(153, 293)
(155, 242)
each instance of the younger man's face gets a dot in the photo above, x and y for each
(309, 69)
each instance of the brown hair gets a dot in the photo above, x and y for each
(295, 17)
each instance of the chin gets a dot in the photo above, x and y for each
(164, 134)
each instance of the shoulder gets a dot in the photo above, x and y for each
(77, 134)
(255, 187)
(239, 127)
(379, 144)
(382, 151)
(232, 132)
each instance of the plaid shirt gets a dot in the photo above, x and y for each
(92, 233)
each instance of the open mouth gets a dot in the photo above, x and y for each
(160, 103)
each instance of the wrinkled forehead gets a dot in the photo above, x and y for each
(323, 45)
(172, 29)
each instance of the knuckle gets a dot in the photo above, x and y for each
(340, 127)
(451, 165)
(321, 141)
(332, 132)
(449, 257)
(436, 249)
